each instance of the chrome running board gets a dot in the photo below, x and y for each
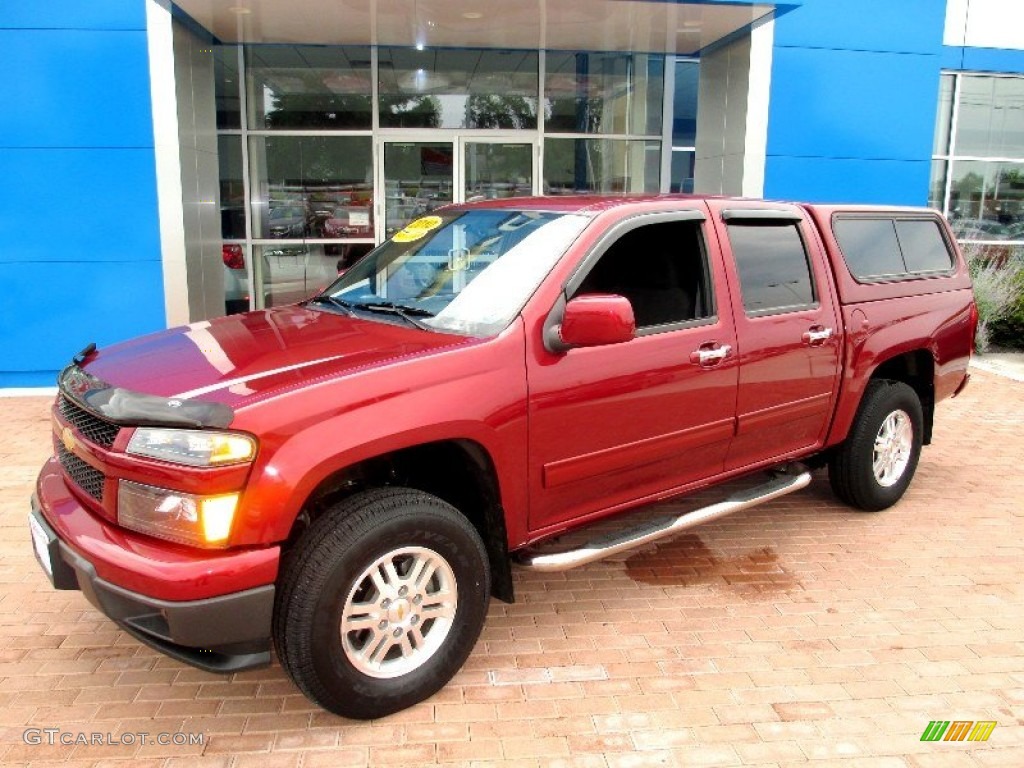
(537, 560)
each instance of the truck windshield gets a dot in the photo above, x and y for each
(467, 272)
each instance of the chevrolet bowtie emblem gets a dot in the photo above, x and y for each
(68, 438)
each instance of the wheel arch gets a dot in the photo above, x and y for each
(459, 471)
(914, 367)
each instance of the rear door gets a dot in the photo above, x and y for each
(787, 329)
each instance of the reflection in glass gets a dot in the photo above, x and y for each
(944, 116)
(236, 279)
(227, 86)
(497, 170)
(601, 165)
(461, 88)
(990, 122)
(772, 263)
(869, 246)
(463, 271)
(308, 86)
(312, 186)
(923, 247)
(232, 192)
(937, 184)
(290, 273)
(684, 108)
(682, 170)
(418, 177)
(986, 200)
(603, 92)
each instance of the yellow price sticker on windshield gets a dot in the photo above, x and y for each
(416, 229)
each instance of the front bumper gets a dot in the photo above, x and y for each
(219, 632)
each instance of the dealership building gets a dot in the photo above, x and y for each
(168, 162)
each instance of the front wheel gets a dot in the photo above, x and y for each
(872, 469)
(381, 602)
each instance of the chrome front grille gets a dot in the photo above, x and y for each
(91, 427)
(81, 474)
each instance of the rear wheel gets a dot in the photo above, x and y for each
(872, 469)
(381, 602)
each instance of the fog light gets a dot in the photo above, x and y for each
(217, 514)
(203, 521)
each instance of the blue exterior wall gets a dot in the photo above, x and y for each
(79, 226)
(854, 91)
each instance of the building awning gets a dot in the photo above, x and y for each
(661, 26)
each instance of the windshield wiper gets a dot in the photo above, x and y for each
(341, 304)
(409, 314)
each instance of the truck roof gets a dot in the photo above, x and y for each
(593, 204)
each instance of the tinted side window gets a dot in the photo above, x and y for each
(924, 248)
(772, 262)
(891, 248)
(869, 247)
(661, 269)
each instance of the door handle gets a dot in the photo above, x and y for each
(817, 336)
(709, 356)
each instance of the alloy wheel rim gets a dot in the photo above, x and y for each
(892, 448)
(399, 612)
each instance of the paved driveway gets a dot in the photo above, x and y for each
(795, 632)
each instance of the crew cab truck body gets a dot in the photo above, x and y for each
(350, 478)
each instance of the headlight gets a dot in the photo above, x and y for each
(203, 521)
(197, 448)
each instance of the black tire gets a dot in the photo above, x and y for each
(330, 568)
(851, 470)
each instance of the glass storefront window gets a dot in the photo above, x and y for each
(977, 177)
(682, 170)
(937, 184)
(314, 161)
(457, 88)
(289, 273)
(986, 200)
(991, 117)
(601, 165)
(684, 105)
(944, 116)
(307, 86)
(588, 92)
(232, 191)
(226, 86)
(312, 186)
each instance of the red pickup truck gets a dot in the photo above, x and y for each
(349, 479)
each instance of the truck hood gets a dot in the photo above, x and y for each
(239, 359)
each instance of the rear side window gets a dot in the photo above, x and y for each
(772, 263)
(923, 246)
(886, 248)
(870, 247)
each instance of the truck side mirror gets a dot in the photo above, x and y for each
(595, 320)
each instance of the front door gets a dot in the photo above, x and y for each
(418, 176)
(614, 424)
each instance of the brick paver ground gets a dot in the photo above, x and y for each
(797, 632)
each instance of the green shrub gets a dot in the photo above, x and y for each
(998, 279)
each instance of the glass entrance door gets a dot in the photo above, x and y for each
(496, 169)
(419, 176)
